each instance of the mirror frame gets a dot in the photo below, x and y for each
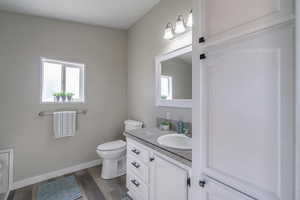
(178, 103)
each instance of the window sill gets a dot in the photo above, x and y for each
(60, 103)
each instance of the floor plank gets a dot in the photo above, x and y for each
(11, 195)
(91, 189)
(113, 189)
(83, 195)
(24, 194)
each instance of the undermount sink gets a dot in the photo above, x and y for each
(176, 141)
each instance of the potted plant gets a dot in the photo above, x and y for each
(63, 96)
(164, 97)
(56, 96)
(69, 96)
(165, 126)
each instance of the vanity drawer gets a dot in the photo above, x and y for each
(134, 196)
(137, 189)
(138, 168)
(137, 151)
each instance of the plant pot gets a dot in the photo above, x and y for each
(56, 98)
(63, 98)
(69, 98)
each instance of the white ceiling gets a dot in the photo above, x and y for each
(111, 13)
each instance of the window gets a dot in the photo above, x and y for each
(166, 87)
(62, 79)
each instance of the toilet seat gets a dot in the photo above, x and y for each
(112, 146)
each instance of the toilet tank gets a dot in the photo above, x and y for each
(132, 124)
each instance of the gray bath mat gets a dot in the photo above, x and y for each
(64, 188)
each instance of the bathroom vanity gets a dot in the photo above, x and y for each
(156, 172)
(159, 162)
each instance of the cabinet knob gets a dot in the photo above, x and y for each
(201, 40)
(203, 56)
(135, 164)
(151, 159)
(202, 183)
(137, 152)
(135, 182)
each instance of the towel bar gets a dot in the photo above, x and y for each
(47, 113)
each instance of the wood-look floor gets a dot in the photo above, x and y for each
(92, 186)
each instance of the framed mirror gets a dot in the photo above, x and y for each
(174, 78)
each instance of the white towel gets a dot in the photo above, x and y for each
(57, 124)
(133, 123)
(64, 124)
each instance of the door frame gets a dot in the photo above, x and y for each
(196, 105)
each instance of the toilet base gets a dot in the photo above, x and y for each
(113, 168)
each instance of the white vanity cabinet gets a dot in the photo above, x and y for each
(226, 19)
(154, 176)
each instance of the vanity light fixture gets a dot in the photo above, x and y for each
(190, 20)
(169, 32)
(180, 25)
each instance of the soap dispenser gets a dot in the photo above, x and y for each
(180, 126)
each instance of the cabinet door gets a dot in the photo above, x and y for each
(168, 181)
(214, 190)
(230, 18)
(247, 114)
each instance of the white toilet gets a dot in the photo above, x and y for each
(113, 154)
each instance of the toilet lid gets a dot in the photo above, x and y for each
(109, 146)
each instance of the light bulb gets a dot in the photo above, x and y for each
(169, 32)
(190, 19)
(180, 26)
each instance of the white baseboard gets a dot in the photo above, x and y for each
(61, 172)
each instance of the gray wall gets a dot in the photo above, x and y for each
(297, 189)
(145, 41)
(181, 73)
(23, 40)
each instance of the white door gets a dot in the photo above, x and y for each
(168, 181)
(230, 18)
(247, 114)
